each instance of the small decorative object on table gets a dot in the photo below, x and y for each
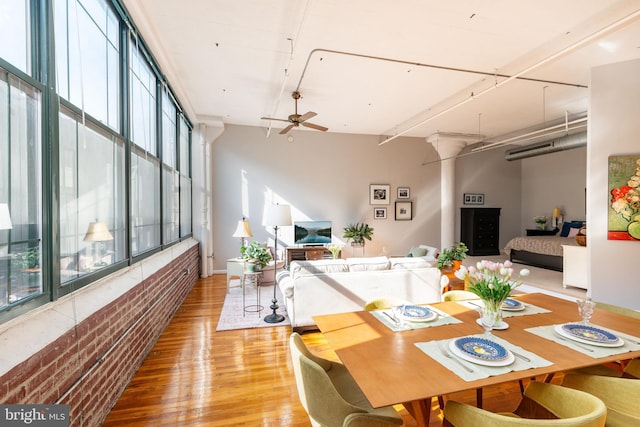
(335, 249)
(492, 282)
(541, 221)
(581, 237)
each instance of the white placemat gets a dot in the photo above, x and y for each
(434, 350)
(386, 317)
(528, 308)
(631, 343)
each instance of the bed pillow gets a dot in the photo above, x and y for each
(573, 232)
(567, 226)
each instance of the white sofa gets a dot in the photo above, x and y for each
(312, 288)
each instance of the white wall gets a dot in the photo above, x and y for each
(490, 174)
(613, 130)
(554, 180)
(324, 176)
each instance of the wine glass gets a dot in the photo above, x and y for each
(585, 308)
(488, 318)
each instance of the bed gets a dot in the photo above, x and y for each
(543, 251)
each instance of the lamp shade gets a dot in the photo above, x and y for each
(278, 215)
(97, 232)
(243, 229)
(556, 213)
(5, 217)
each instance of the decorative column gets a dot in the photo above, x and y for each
(204, 135)
(448, 147)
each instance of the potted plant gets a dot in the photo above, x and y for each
(256, 254)
(450, 259)
(357, 233)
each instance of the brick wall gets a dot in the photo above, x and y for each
(89, 366)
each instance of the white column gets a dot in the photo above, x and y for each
(448, 147)
(204, 136)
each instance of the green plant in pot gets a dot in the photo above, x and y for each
(257, 254)
(358, 233)
(453, 256)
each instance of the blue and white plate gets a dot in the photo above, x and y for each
(590, 335)
(416, 313)
(511, 304)
(481, 351)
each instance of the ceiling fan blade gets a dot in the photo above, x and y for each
(272, 118)
(287, 129)
(307, 116)
(314, 126)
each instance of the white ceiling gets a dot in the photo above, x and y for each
(383, 67)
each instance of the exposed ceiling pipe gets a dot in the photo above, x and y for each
(566, 142)
(518, 75)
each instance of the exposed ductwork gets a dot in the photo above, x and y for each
(567, 142)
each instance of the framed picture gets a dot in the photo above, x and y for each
(403, 211)
(403, 192)
(473, 199)
(379, 213)
(622, 194)
(379, 194)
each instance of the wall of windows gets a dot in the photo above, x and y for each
(115, 185)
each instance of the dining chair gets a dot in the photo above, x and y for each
(330, 395)
(458, 295)
(620, 395)
(383, 303)
(542, 404)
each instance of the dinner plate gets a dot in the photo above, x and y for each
(589, 335)
(481, 351)
(511, 304)
(416, 313)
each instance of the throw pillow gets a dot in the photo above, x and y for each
(573, 232)
(418, 251)
(567, 226)
(368, 264)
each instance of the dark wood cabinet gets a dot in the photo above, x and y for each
(480, 230)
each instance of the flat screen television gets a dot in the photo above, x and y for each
(312, 232)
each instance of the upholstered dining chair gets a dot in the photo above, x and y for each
(330, 395)
(621, 395)
(458, 295)
(543, 404)
(383, 303)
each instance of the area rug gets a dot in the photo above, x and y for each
(234, 317)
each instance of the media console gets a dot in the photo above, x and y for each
(303, 253)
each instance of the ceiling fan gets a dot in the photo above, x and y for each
(296, 119)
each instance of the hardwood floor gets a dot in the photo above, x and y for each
(195, 376)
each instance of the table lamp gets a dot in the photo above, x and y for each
(243, 231)
(556, 217)
(276, 216)
(97, 232)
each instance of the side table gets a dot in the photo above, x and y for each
(539, 232)
(253, 278)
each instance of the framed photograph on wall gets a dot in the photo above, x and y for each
(403, 192)
(379, 213)
(403, 211)
(379, 194)
(473, 199)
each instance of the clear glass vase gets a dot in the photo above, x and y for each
(491, 315)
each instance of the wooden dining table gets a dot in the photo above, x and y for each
(390, 369)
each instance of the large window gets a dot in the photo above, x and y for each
(20, 191)
(88, 58)
(73, 207)
(15, 33)
(92, 220)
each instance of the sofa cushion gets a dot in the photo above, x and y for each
(409, 263)
(316, 267)
(417, 252)
(369, 263)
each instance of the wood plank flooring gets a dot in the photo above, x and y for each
(195, 376)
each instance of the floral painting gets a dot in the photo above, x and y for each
(624, 201)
